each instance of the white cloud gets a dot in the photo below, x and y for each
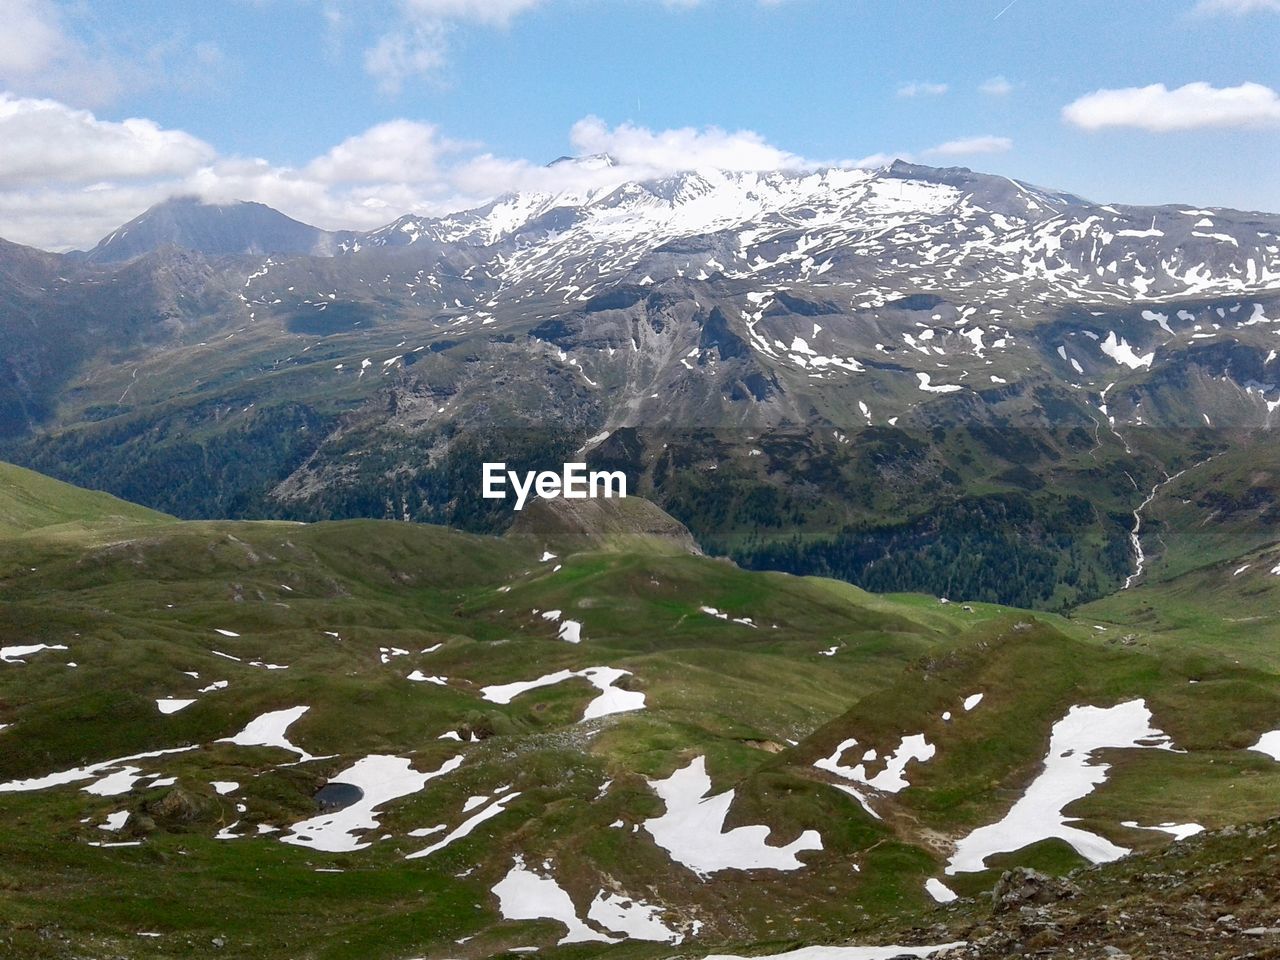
(996, 87)
(683, 149)
(922, 89)
(877, 160)
(1160, 110)
(1238, 7)
(39, 55)
(399, 151)
(969, 146)
(46, 141)
(31, 38)
(417, 49)
(416, 46)
(492, 12)
(60, 50)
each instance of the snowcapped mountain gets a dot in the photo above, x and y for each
(903, 223)
(763, 352)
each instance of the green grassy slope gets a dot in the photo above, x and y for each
(351, 609)
(29, 501)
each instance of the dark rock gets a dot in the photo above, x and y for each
(177, 806)
(1021, 888)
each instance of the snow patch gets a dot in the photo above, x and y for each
(381, 779)
(269, 730)
(466, 827)
(1069, 775)
(1118, 349)
(610, 701)
(924, 379)
(692, 829)
(15, 654)
(525, 895)
(940, 892)
(1179, 831)
(634, 919)
(1269, 744)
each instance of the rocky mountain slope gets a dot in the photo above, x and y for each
(228, 229)
(909, 378)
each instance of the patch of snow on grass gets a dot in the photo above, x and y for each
(115, 821)
(1269, 744)
(169, 705)
(1069, 775)
(78, 774)
(889, 780)
(465, 828)
(940, 892)
(692, 828)
(634, 919)
(419, 677)
(114, 784)
(1179, 831)
(269, 730)
(15, 654)
(380, 779)
(924, 379)
(524, 895)
(1118, 349)
(611, 700)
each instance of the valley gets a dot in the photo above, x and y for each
(586, 743)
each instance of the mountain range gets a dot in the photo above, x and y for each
(910, 378)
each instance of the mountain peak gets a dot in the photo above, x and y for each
(215, 229)
(592, 161)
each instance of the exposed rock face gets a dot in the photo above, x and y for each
(1029, 888)
(178, 807)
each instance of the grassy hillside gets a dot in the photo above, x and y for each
(392, 636)
(29, 501)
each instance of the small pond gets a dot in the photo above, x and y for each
(337, 796)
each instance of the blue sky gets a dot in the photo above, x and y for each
(350, 112)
